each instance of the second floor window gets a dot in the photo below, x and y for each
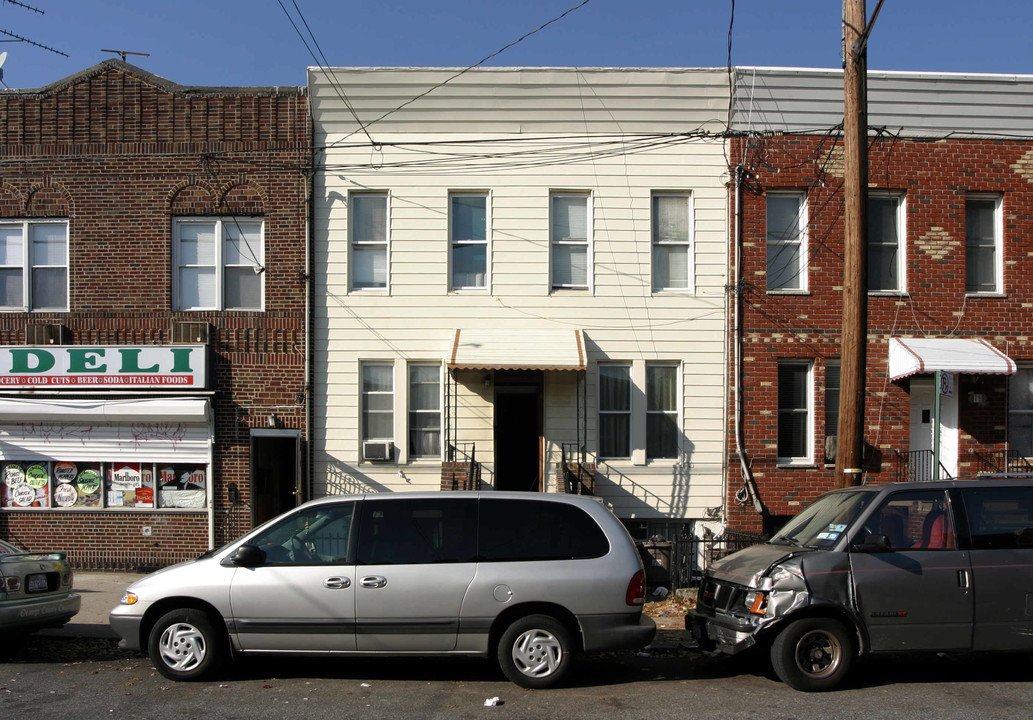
(34, 265)
(786, 241)
(219, 263)
(885, 243)
(983, 244)
(468, 240)
(672, 243)
(367, 226)
(569, 241)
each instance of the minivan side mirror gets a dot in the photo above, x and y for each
(874, 544)
(248, 555)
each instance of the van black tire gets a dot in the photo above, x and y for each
(812, 654)
(536, 651)
(186, 645)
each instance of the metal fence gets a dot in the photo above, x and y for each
(680, 562)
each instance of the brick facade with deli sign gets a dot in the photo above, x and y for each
(153, 331)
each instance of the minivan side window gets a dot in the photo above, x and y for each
(314, 536)
(918, 520)
(999, 517)
(416, 532)
(515, 530)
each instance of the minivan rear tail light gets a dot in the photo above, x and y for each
(637, 589)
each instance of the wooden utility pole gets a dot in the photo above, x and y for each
(850, 440)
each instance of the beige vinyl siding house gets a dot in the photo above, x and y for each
(484, 244)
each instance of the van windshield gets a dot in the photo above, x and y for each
(824, 521)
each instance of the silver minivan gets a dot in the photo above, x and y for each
(529, 579)
(935, 566)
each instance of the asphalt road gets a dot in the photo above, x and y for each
(69, 677)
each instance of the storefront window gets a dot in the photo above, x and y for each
(127, 485)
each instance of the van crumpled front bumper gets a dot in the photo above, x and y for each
(727, 634)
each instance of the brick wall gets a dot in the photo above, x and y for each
(119, 153)
(934, 176)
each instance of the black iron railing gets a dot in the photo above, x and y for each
(917, 466)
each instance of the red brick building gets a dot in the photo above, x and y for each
(154, 278)
(950, 279)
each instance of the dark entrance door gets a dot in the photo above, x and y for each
(274, 475)
(518, 432)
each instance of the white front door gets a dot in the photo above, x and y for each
(922, 411)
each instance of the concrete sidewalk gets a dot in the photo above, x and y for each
(100, 591)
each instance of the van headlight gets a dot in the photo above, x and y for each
(756, 602)
(130, 598)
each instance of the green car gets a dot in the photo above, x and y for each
(35, 590)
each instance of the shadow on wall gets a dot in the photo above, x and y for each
(339, 481)
(632, 496)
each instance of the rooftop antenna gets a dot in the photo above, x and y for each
(3, 59)
(123, 53)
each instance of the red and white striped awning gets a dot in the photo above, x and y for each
(912, 356)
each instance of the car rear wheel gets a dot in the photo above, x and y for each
(812, 654)
(185, 645)
(535, 651)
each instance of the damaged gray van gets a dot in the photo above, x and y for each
(942, 566)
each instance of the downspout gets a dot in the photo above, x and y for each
(749, 489)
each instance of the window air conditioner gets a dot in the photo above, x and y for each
(383, 450)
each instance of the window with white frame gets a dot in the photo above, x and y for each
(378, 401)
(425, 411)
(219, 263)
(794, 412)
(367, 227)
(468, 240)
(1020, 412)
(886, 243)
(672, 241)
(787, 241)
(662, 430)
(34, 265)
(614, 411)
(983, 249)
(569, 222)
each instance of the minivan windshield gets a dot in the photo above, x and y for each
(824, 521)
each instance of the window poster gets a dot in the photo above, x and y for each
(87, 486)
(26, 484)
(183, 485)
(130, 485)
(65, 493)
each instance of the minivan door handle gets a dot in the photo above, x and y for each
(336, 583)
(963, 579)
(373, 581)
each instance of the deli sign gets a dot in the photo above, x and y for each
(78, 367)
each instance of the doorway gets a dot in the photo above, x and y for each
(275, 469)
(518, 431)
(923, 400)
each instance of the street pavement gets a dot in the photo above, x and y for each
(100, 591)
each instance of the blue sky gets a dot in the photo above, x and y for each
(251, 42)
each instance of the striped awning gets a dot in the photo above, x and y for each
(505, 349)
(911, 356)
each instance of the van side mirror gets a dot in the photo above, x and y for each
(874, 544)
(248, 555)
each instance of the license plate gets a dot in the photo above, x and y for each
(37, 583)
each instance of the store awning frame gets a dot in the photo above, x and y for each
(529, 349)
(149, 410)
(913, 356)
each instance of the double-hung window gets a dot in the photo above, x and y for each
(794, 412)
(886, 243)
(219, 263)
(615, 411)
(468, 240)
(1020, 412)
(661, 412)
(672, 241)
(378, 401)
(983, 266)
(569, 223)
(787, 241)
(34, 265)
(367, 228)
(425, 411)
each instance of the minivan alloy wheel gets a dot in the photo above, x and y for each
(184, 645)
(535, 651)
